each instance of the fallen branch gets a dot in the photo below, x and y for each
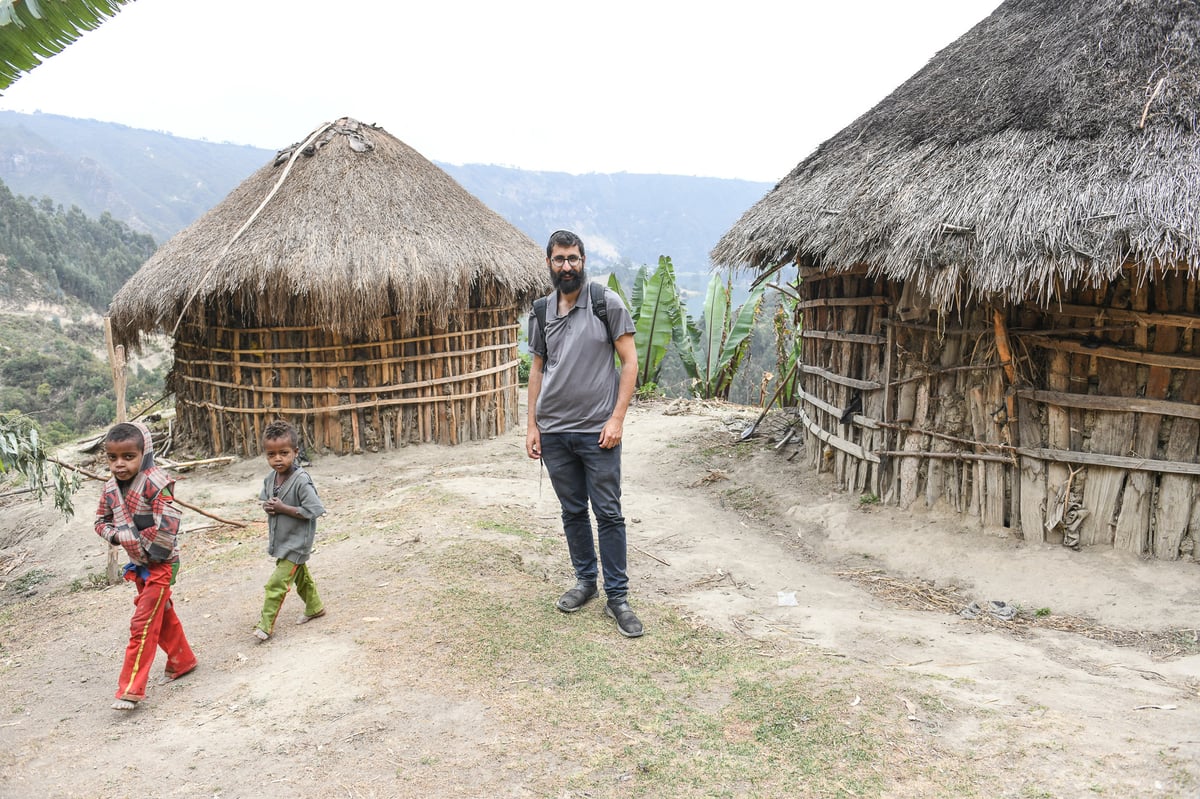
(177, 500)
(181, 465)
(647, 554)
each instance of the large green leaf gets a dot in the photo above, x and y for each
(658, 313)
(33, 30)
(686, 336)
(639, 283)
(616, 286)
(737, 341)
(716, 311)
(743, 325)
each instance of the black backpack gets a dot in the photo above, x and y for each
(599, 308)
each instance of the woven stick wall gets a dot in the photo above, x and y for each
(1072, 423)
(378, 390)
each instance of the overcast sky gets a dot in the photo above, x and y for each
(742, 89)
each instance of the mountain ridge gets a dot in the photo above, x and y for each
(159, 183)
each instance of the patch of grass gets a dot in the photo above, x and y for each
(1187, 641)
(747, 500)
(28, 580)
(506, 528)
(685, 711)
(730, 449)
(93, 582)
(868, 500)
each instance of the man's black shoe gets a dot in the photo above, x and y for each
(577, 597)
(628, 624)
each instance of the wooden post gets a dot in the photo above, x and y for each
(1137, 505)
(116, 359)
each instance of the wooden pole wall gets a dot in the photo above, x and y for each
(379, 389)
(1014, 413)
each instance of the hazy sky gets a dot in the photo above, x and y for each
(742, 89)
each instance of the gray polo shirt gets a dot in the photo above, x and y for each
(580, 376)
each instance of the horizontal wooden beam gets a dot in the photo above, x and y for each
(1115, 461)
(865, 385)
(812, 273)
(820, 404)
(837, 335)
(837, 442)
(842, 301)
(1062, 399)
(330, 391)
(941, 330)
(1186, 321)
(946, 456)
(1114, 353)
(318, 410)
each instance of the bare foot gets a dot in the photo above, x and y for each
(173, 676)
(261, 635)
(307, 619)
(124, 704)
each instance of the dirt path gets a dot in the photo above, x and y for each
(368, 702)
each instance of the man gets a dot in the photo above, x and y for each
(577, 405)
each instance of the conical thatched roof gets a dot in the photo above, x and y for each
(360, 227)
(1057, 139)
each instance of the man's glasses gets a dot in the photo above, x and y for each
(573, 260)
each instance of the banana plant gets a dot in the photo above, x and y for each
(787, 325)
(713, 351)
(657, 316)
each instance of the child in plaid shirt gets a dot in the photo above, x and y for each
(136, 512)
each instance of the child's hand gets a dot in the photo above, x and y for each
(271, 506)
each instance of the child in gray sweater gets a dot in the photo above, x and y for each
(292, 505)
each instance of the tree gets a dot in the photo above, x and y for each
(21, 452)
(33, 30)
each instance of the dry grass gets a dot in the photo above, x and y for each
(923, 595)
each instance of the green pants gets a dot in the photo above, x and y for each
(286, 573)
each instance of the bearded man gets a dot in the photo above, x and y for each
(577, 405)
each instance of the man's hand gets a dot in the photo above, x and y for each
(610, 436)
(533, 443)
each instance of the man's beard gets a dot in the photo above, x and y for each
(568, 283)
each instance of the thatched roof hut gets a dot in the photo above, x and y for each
(1055, 142)
(351, 286)
(1000, 262)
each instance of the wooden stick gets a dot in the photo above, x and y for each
(965, 456)
(647, 554)
(202, 462)
(92, 476)
(116, 360)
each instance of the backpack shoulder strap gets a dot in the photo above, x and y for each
(539, 313)
(599, 303)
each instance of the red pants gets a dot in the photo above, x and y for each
(154, 624)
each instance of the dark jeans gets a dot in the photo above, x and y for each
(581, 472)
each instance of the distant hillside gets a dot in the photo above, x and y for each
(621, 217)
(156, 183)
(159, 184)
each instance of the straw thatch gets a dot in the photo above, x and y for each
(349, 286)
(1051, 144)
(359, 227)
(996, 284)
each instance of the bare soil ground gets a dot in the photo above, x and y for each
(1099, 695)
